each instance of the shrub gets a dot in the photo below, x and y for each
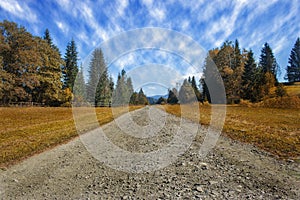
(281, 102)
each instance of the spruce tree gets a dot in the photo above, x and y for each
(196, 90)
(172, 96)
(49, 40)
(103, 90)
(162, 101)
(80, 88)
(123, 93)
(186, 93)
(268, 67)
(142, 99)
(70, 69)
(293, 68)
(249, 84)
(99, 81)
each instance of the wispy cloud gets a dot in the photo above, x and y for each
(62, 26)
(19, 9)
(210, 23)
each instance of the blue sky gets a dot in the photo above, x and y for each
(209, 23)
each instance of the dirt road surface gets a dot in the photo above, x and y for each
(230, 171)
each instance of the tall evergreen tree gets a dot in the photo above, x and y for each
(268, 67)
(129, 86)
(80, 88)
(208, 74)
(186, 93)
(70, 69)
(195, 88)
(103, 91)
(49, 40)
(47, 37)
(142, 99)
(123, 93)
(97, 68)
(249, 83)
(293, 68)
(172, 96)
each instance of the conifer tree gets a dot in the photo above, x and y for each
(249, 79)
(80, 88)
(268, 68)
(186, 93)
(142, 99)
(70, 69)
(293, 68)
(172, 96)
(100, 85)
(195, 88)
(123, 93)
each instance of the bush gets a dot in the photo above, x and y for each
(281, 102)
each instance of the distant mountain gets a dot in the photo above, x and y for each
(153, 99)
(158, 96)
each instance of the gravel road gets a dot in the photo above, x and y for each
(230, 171)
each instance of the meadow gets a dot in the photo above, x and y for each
(26, 131)
(30, 130)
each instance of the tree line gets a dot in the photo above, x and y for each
(243, 77)
(32, 69)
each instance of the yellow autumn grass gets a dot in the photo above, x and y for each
(274, 130)
(293, 90)
(26, 131)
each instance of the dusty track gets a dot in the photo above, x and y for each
(230, 171)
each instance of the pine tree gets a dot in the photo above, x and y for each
(248, 78)
(268, 66)
(129, 87)
(123, 93)
(99, 86)
(186, 93)
(80, 88)
(103, 91)
(212, 83)
(49, 40)
(172, 96)
(134, 99)
(267, 60)
(47, 37)
(142, 99)
(70, 69)
(293, 68)
(196, 90)
(162, 101)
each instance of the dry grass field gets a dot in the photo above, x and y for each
(30, 130)
(274, 130)
(26, 131)
(293, 90)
